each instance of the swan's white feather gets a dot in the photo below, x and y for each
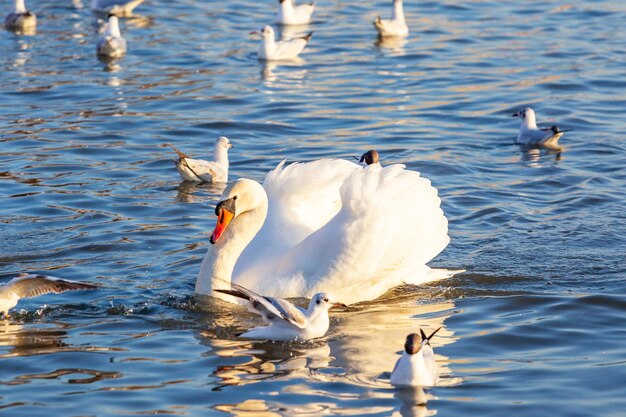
(388, 225)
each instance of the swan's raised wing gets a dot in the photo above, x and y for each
(302, 197)
(389, 226)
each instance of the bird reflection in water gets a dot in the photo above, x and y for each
(394, 44)
(532, 155)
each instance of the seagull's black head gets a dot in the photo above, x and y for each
(370, 157)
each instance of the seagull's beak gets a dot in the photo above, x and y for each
(254, 32)
(225, 214)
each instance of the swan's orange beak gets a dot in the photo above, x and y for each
(223, 220)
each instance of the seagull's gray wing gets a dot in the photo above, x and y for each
(269, 308)
(30, 285)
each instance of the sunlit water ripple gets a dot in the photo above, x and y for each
(535, 325)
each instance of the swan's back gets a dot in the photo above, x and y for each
(388, 227)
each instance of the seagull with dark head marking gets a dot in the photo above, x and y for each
(369, 158)
(291, 14)
(20, 19)
(417, 366)
(531, 135)
(287, 322)
(199, 170)
(34, 285)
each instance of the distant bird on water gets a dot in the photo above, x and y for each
(290, 14)
(111, 44)
(119, 8)
(272, 50)
(417, 366)
(287, 322)
(531, 135)
(369, 158)
(31, 285)
(199, 170)
(20, 19)
(396, 26)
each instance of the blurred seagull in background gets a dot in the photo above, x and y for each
(290, 14)
(417, 366)
(396, 26)
(31, 285)
(272, 50)
(286, 320)
(119, 8)
(199, 170)
(531, 135)
(20, 19)
(111, 44)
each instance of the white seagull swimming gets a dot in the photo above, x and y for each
(31, 285)
(531, 135)
(20, 19)
(290, 14)
(417, 366)
(199, 170)
(272, 50)
(328, 225)
(111, 44)
(396, 26)
(286, 320)
(119, 8)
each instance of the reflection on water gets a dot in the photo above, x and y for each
(395, 44)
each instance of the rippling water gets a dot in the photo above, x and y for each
(89, 192)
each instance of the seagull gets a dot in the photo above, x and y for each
(198, 170)
(111, 44)
(370, 157)
(417, 366)
(287, 322)
(119, 8)
(396, 26)
(270, 50)
(32, 285)
(21, 18)
(290, 14)
(530, 134)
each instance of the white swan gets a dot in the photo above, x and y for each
(328, 225)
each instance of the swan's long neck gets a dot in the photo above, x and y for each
(19, 6)
(398, 12)
(218, 264)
